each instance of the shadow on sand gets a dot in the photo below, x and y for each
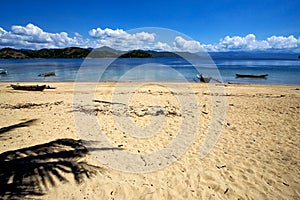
(19, 125)
(31, 171)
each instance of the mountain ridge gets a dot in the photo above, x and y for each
(108, 52)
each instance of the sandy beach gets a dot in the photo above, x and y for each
(256, 154)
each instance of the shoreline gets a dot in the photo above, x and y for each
(147, 82)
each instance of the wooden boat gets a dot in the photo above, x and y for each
(3, 71)
(29, 87)
(251, 75)
(203, 78)
(47, 74)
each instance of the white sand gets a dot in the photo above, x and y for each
(257, 155)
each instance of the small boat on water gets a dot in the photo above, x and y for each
(251, 75)
(3, 71)
(203, 78)
(47, 74)
(29, 87)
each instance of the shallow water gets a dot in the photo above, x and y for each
(283, 71)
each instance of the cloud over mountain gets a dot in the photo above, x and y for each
(33, 37)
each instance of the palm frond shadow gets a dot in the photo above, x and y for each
(32, 170)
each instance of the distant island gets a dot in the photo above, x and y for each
(136, 54)
(72, 52)
(76, 52)
(107, 52)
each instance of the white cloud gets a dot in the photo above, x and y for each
(2, 31)
(181, 44)
(121, 39)
(30, 29)
(250, 43)
(162, 46)
(144, 36)
(33, 37)
(280, 42)
(104, 33)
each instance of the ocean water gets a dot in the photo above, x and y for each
(280, 71)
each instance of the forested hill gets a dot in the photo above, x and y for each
(107, 52)
(76, 52)
(71, 52)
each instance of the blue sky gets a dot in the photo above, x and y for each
(206, 22)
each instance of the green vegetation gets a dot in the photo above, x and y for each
(102, 54)
(71, 52)
(136, 54)
(76, 52)
(9, 53)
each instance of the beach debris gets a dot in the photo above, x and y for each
(108, 102)
(29, 105)
(90, 111)
(120, 109)
(143, 159)
(220, 166)
(285, 184)
(226, 190)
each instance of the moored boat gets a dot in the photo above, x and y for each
(28, 87)
(251, 75)
(203, 78)
(47, 74)
(3, 71)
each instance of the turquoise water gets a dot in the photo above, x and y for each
(285, 71)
